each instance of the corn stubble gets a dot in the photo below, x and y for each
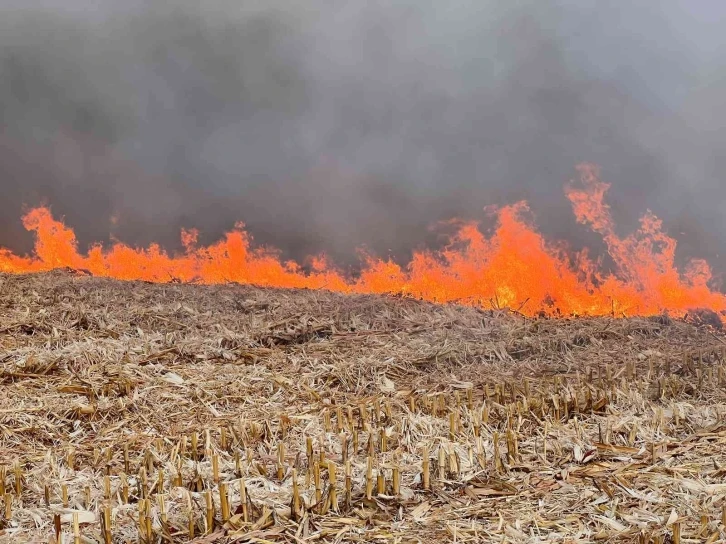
(172, 413)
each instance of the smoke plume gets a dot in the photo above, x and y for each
(326, 126)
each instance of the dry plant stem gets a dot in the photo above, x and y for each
(425, 469)
(295, 495)
(57, 527)
(163, 518)
(333, 493)
(209, 503)
(243, 500)
(76, 529)
(318, 485)
(348, 485)
(18, 480)
(191, 526)
(106, 527)
(224, 502)
(442, 463)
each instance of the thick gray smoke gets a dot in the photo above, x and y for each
(330, 125)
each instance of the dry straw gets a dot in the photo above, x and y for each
(180, 413)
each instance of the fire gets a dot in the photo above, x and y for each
(515, 267)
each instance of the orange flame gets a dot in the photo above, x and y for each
(514, 267)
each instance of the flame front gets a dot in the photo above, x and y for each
(514, 267)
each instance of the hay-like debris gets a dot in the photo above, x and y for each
(534, 430)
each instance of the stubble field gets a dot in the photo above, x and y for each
(134, 412)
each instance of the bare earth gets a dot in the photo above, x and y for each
(535, 430)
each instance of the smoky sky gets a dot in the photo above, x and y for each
(330, 125)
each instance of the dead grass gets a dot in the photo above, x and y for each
(138, 403)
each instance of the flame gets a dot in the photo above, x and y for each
(515, 267)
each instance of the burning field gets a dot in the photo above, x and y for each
(147, 412)
(515, 267)
(224, 395)
(373, 355)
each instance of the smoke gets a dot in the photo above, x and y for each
(326, 126)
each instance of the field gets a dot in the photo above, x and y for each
(134, 412)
